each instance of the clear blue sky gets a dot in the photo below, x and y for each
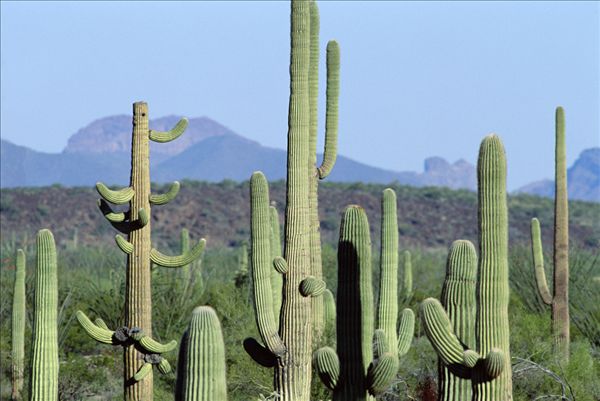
(418, 79)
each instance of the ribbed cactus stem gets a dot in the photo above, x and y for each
(276, 276)
(329, 313)
(201, 372)
(18, 326)
(538, 261)
(387, 311)
(185, 248)
(492, 331)
(44, 360)
(407, 276)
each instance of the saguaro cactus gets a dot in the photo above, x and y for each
(289, 341)
(18, 326)
(366, 360)
(560, 299)
(44, 360)
(140, 350)
(488, 368)
(407, 276)
(201, 365)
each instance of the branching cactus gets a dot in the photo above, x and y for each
(560, 299)
(201, 363)
(366, 360)
(44, 355)
(18, 326)
(288, 334)
(486, 361)
(140, 350)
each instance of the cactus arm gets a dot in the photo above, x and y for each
(538, 262)
(180, 260)
(98, 332)
(100, 323)
(153, 346)
(143, 372)
(164, 366)
(331, 119)
(406, 331)
(18, 326)
(123, 244)
(109, 214)
(168, 136)
(312, 287)
(118, 219)
(327, 364)
(280, 265)
(329, 312)
(117, 197)
(381, 373)
(407, 279)
(161, 199)
(259, 353)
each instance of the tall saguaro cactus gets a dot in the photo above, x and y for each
(366, 360)
(18, 326)
(488, 368)
(288, 342)
(44, 355)
(140, 350)
(560, 299)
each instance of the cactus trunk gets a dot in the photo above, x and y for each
(18, 327)
(44, 360)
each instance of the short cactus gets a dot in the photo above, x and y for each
(560, 299)
(201, 366)
(485, 327)
(140, 351)
(18, 326)
(44, 359)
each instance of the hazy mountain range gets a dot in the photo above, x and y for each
(210, 151)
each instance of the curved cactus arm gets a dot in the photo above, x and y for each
(100, 323)
(164, 366)
(327, 364)
(168, 136)
(280, 265)
(259, 353)
(109, 214)
(161, 199)
(440, 334)
(331, 117)
(143, 372)
(538, 262)
(381, 373)
(180, 260)
(406, 330)
(153, 346)
(98, 332)
(380, 344)
(123, 244)
(118, 197)
(312, 287)
(118, 219)
(493, 364)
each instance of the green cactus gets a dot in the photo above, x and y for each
(289, 340)
(560, 300)
(366, 360)
(140, 351)
(316, 173)
(44, 360)
(241, 276)
(407, 278)
(276, 276)
(488, 369)
(201, 365)
(18, 326)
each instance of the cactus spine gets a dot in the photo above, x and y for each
(488, 368)
(140, 350)
(560, 299)
(18, 326)
(366, 360)
(201, 365)
(44, 360)
(288, 345)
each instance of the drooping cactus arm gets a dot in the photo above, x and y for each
(327, 364)
(180, 260)
(161, 199)
(331, 119)
(153, 346)
(97, 332)
(538, 262)
(406, 330)
(123, 244)
(143, 372)
(109, 214)
(100, 323)
(168, 136)
(312, 287)
(164, 366)
(259, 353)
(118, 219)
(118, 197)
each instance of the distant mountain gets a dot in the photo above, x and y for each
(583, 179)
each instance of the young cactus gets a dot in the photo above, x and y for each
(560, 299)
(366, 360)
(18, 326)
(201, 364)
(488, 369)
(140, 350)
(44, 359)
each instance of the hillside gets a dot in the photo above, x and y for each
(428, 217)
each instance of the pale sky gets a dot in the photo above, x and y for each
(418, 79)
